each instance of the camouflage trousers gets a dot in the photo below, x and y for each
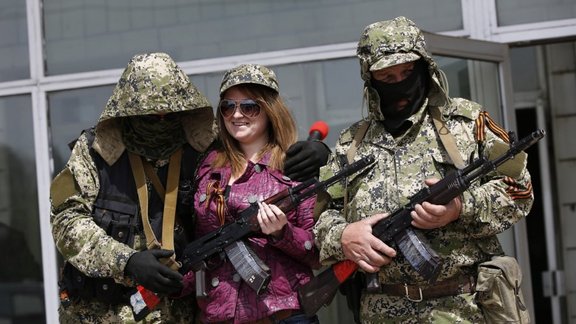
(179, 310)
(377, 308)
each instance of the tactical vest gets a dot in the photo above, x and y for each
(116, 210)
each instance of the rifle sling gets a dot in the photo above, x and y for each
(358, 137)
(168, 197)
(153, 177)
(446, 137)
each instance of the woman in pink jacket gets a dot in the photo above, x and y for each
(256, 128)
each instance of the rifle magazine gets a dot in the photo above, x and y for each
(419, 254)
(249, 266)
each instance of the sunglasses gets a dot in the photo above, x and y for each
(248, 107)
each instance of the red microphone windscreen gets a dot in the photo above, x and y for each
(321, 127)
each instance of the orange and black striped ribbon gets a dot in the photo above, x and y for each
(515, 192)
(485, 120)
(213, 190)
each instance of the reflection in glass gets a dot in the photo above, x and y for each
(524, 65)
(327, 90)
(474, 80)
(102, 34)
(21, 288)
(332, 90)
(71, 112)
(14, 64)
(512, 12)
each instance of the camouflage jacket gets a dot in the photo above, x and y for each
(150, 84)
(489, 206)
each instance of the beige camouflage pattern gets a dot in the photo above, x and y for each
(249, 73)
(402, 164)
(151, 83)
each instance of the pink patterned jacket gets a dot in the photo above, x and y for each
(290, 258)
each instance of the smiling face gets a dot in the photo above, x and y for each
(250, 131)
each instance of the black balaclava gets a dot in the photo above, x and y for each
(154, 139)
(414, 88)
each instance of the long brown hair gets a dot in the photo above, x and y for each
(281, 130)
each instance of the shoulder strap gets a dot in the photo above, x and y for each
(358, 137)
(171, 194)
(446, 137)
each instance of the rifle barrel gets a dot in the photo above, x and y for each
(322, 288)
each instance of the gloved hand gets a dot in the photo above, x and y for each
(147, 271)
(304, 159)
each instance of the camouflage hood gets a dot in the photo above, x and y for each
(153, 84)
(393, 42)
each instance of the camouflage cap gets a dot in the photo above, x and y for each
(249, 74)
(388, 43)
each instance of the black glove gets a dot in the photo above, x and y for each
(304, 159)
(147, 271)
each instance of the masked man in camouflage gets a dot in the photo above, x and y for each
(404, 89)
(122, 206)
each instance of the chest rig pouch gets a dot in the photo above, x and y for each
(116, 210)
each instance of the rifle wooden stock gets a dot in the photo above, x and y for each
(320, 291)
(216, 241)
(397, 228)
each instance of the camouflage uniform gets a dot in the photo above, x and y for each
(489, 206)
(150, 84)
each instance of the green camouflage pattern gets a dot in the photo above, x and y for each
(448, 310)
(150, 84)
(78, 239)
(249, 74)
(154, 84)
(391, 42)
(177, 311)
(402, 164)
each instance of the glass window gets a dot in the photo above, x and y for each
(512, 12)
(327, 90)
(71, 112)
(14, 64)
(332, 90)
(21, 289)
(474, 80)
(88, 35)
(524, 66)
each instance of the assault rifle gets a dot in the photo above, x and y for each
(396, 228)
(228, 238)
